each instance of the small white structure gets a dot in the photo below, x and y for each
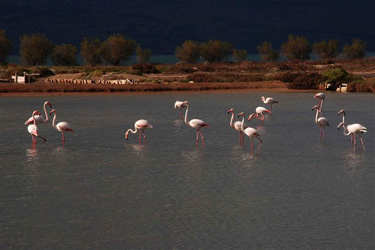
(26, 78)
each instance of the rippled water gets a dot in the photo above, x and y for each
(99, 191)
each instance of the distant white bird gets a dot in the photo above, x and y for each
(269, 100)
(236, 125)
(195, 123)
(180, 105)
(259, 113)
(321, 97)
(322, 122)
(33, 129)
(140, 125)
(352, 129)
(249, 131)
(61, 126)
(39, 118)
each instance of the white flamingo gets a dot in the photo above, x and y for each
(140, 125)
(322, 122)
(61, 126)
(269, 100)
(180, 105)
(236, 125)
(249, 131)
(259, 113)
(33, 129)
(321, 97)
(195, 123)
(39, 118)
(352, 129)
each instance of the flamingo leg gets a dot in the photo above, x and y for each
(180, 114)
(260, 143)
(201, 136)
(144, 135)
(363, 145)
(351, 138)
(63, 136)
(139, 136)
(355, 141)
(251, 143)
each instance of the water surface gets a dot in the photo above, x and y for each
(100, 191)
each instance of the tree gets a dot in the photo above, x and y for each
(91, 51)
(216, 51)
(117, 49)
(64, 55)
(267, 53)
(143, 55)
(189, 52)
(356, 50)
(239, 55)
(5, 47)
(35, 49)
(327, 50)
(297, 48)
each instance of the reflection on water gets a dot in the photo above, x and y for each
(353, 161)
(32, 153)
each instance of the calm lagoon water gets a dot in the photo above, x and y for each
(101, 191)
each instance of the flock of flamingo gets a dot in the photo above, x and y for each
(141, 125)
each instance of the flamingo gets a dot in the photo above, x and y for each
(321, 97)
(352, 129)
(39, 118)
(195, 123)
(321, 121)
(180, 105)
(269, 100)
(140, 125)
(61, 126)
(33, 129)
(249, 131)
(236, 125)
(259, 113)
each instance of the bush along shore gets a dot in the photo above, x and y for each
(358, 75)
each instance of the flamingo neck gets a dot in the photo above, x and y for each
(242, 123)
(133, 131)
(343, 117)
(231, 120)
(45, 113)
(186, 114)
(54, 120)
(316, 116)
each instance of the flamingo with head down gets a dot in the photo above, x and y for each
(352, 129)
(33, 129)
(249, 131)
(236, 125)
(39, 118)
(259, 113)
(140, 125)
(61, 126)
(195, 123)
(180, 105)
(269, 100)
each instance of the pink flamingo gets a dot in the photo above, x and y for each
(195, 123)
(269, 100)
(321, 97)
(33, 129)
(39, 118)
(61, 126)
(259, 113)
(180, 105)
(249, 131)
(236, 125)
(321, 121)
(140, 125)
(352, 129)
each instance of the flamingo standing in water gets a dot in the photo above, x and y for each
(321, 121)
(61, 126)
(180, 105)
(33, 129)
(236, 125)
(39, 118)
(140, 125)
(321, 97)
(259, 113)
(352, 129)
(249, 131)
(269, 100)
(195, 123)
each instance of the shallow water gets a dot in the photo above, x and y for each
(100, 191)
